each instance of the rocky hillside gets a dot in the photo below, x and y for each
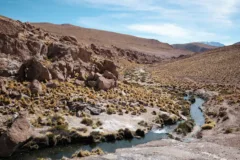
(114, 42)
(220, 65)
(194, 47)
(56, 89)
(237, 43)
(33, 54)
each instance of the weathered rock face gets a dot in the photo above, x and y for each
(20, 131)
(34, 69)
(105, 84)
(58, 51)
(13, 46)
(8, 67)
(68, 52)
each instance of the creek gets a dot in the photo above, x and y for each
(58, 152)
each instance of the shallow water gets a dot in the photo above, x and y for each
(110, 147)
(196, 112)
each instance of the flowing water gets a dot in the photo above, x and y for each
(110, 147)
(196, 111)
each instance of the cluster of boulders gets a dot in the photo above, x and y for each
(33, 54)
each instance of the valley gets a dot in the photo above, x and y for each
(72, 92)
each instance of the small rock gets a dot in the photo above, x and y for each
(109, 75)
(52, 85)
(94, 110)
(140, 133)
(79, 83)
(36, 87)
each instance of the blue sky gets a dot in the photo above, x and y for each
(171, 21)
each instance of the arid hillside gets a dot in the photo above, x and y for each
(221, 65)
(194, 47)
(113, 40)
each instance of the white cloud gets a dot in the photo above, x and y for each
(219, 11)
(174, 33)
(169, 30)
(119, 4)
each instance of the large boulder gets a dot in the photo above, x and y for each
(68, 52)
(105, 84)
(84, 55)
(19, 133)
(34, 69)
(58, 50)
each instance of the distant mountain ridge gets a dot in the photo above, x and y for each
(194, 47)
(215, 44)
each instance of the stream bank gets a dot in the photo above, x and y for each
(110, 147)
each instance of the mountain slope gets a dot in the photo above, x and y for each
(221, 65)
(194, 47)
(111, 39)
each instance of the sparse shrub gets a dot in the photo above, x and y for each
(209, 124)
(98, 123)
(185, 127)
(154, 113)
(81, 153)
(111, 110)
(87, 121)
(142, 123)
(228, 131)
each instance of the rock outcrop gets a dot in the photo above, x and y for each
(34, 54)
(19, 132)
